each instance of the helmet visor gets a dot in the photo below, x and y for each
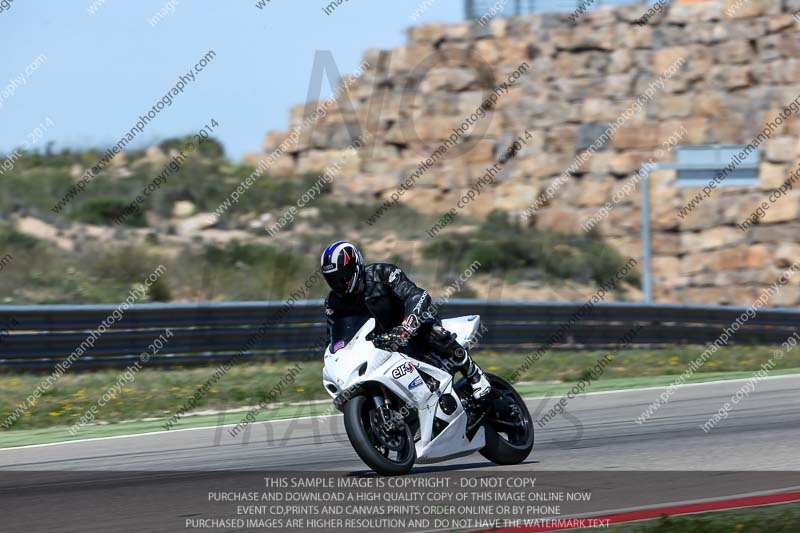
(340, 280)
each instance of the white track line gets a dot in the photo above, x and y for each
(166, 432)
(685, 385)
(163, 432)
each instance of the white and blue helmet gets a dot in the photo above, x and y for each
(342, 266)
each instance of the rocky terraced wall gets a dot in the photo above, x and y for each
(589, 102)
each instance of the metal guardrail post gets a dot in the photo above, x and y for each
(647, 272)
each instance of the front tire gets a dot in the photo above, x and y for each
(360, 430)
(508, 425)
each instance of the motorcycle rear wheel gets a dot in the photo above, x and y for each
(358, 413)
(508, 425)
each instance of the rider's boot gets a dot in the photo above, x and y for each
(458, 357)
(475, 377)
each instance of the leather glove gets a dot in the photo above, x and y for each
(398, 337)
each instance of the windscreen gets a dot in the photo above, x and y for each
(344, 329)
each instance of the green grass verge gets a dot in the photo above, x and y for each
(768, 519)
(240, 387)
(159, 393)
(27, 437)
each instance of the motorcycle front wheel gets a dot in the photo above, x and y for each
(508, 425)
(389, 451)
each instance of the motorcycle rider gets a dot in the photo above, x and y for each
(405, 318)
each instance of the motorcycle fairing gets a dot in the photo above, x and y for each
(342, 371)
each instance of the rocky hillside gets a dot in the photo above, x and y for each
(263, 246)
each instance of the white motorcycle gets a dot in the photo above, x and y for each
(399, 410)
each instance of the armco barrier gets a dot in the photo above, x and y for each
(39, 336)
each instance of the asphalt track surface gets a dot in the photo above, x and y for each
(598, 445)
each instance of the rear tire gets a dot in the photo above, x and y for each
(359, 431)
(507, 445)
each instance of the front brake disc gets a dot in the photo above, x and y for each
(392, 433)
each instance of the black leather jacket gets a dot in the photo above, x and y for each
(388, 296)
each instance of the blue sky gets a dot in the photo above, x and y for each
(103, 70)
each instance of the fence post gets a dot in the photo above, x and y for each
(647, 272)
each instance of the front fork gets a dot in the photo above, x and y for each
(384, 406)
